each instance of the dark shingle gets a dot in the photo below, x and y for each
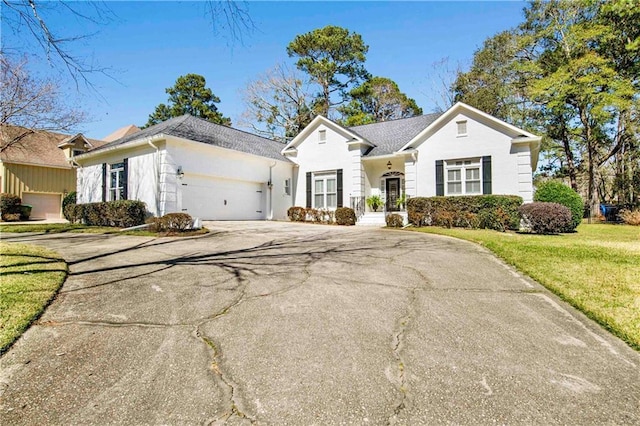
(390, 136)
(199, 130)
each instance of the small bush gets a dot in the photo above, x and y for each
(328, 216)
(313, 215)
(9, 205)
(557, 192)
(74, 212)
(69, 199)
(297, 214)
(171, 222)
(345, 216)
(545, 218)
(630, 217)
(394, 220)
(11, 217)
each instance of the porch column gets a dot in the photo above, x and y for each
(357, 175)
(410, 177)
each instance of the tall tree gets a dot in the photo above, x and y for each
(31, 104)
(279, 104)
(378, 99)
(189, 95)
(333, 58)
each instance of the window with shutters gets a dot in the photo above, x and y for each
(325, 191)
(463, 177)
(117, 181)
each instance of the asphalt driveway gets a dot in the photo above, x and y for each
(278, 323)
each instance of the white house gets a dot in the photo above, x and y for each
(462, 151)
(190, 165)
(214, 172)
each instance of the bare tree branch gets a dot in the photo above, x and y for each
(29, 105)
(230, 18)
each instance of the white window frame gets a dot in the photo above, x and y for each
(324, 178)
(287, 187)
(463, 165)
(322, 136)
(116, 192)
(459, 124)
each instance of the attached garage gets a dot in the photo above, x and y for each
(211, 198)
(45, 206)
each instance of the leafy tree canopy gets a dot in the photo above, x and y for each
(333, 58)
(378, 99)
(189, 96)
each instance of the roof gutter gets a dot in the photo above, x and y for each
(134, 143)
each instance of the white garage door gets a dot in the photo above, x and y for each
(221, 199)
(45, 206)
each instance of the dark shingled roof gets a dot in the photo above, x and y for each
(199, 130)
(390, 136)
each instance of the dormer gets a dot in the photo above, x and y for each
(74, 145)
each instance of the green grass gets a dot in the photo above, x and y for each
(59, 228)
(596, 269)
(30, 276)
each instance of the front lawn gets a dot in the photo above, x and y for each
(29, 279)
(596, 269)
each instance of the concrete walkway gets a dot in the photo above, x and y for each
(278, 323)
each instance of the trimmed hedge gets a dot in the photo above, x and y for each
(499, 212)
(69, 199)
(557, 192)
(171, 222)
(10, 206)
(394, 220)
(545, 218)
(345, 216)
(120, 213)
(297, 214)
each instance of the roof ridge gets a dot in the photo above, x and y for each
(396, 120)
(235, 129)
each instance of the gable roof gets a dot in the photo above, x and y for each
(317, 121)
(121, 132)
(389, 136)
(199, 130)
(39, 148)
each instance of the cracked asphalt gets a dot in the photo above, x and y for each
(295, 324)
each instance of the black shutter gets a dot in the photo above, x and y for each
(309, 194)
(339, 188)
(486, 174)
(125, 184)
(104, 181)
(439, 177)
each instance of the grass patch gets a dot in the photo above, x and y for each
(59, 228)
(596, 269)
(30, 276)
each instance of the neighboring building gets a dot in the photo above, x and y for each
(39, 169)
(121, 133)
(210, 171)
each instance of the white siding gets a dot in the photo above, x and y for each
(334, 154)
(510, 173)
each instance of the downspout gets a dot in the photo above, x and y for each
(270, 186)
(158, 189)
(414, 157)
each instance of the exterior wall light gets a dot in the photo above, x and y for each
(180, 172)
(389, 164)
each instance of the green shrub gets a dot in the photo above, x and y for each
(297, 214)
(68, 199)
(171, 222)
(9, 205)
(121, 213)
(545, 218)
(74, 212)
(557, 192)
(345, 216)
(25, 211)
(499, 212)
(394, 220)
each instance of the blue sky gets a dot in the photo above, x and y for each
(148, 45)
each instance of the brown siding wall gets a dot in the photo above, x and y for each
(19, 178)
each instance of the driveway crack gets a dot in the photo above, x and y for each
(397, 342)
